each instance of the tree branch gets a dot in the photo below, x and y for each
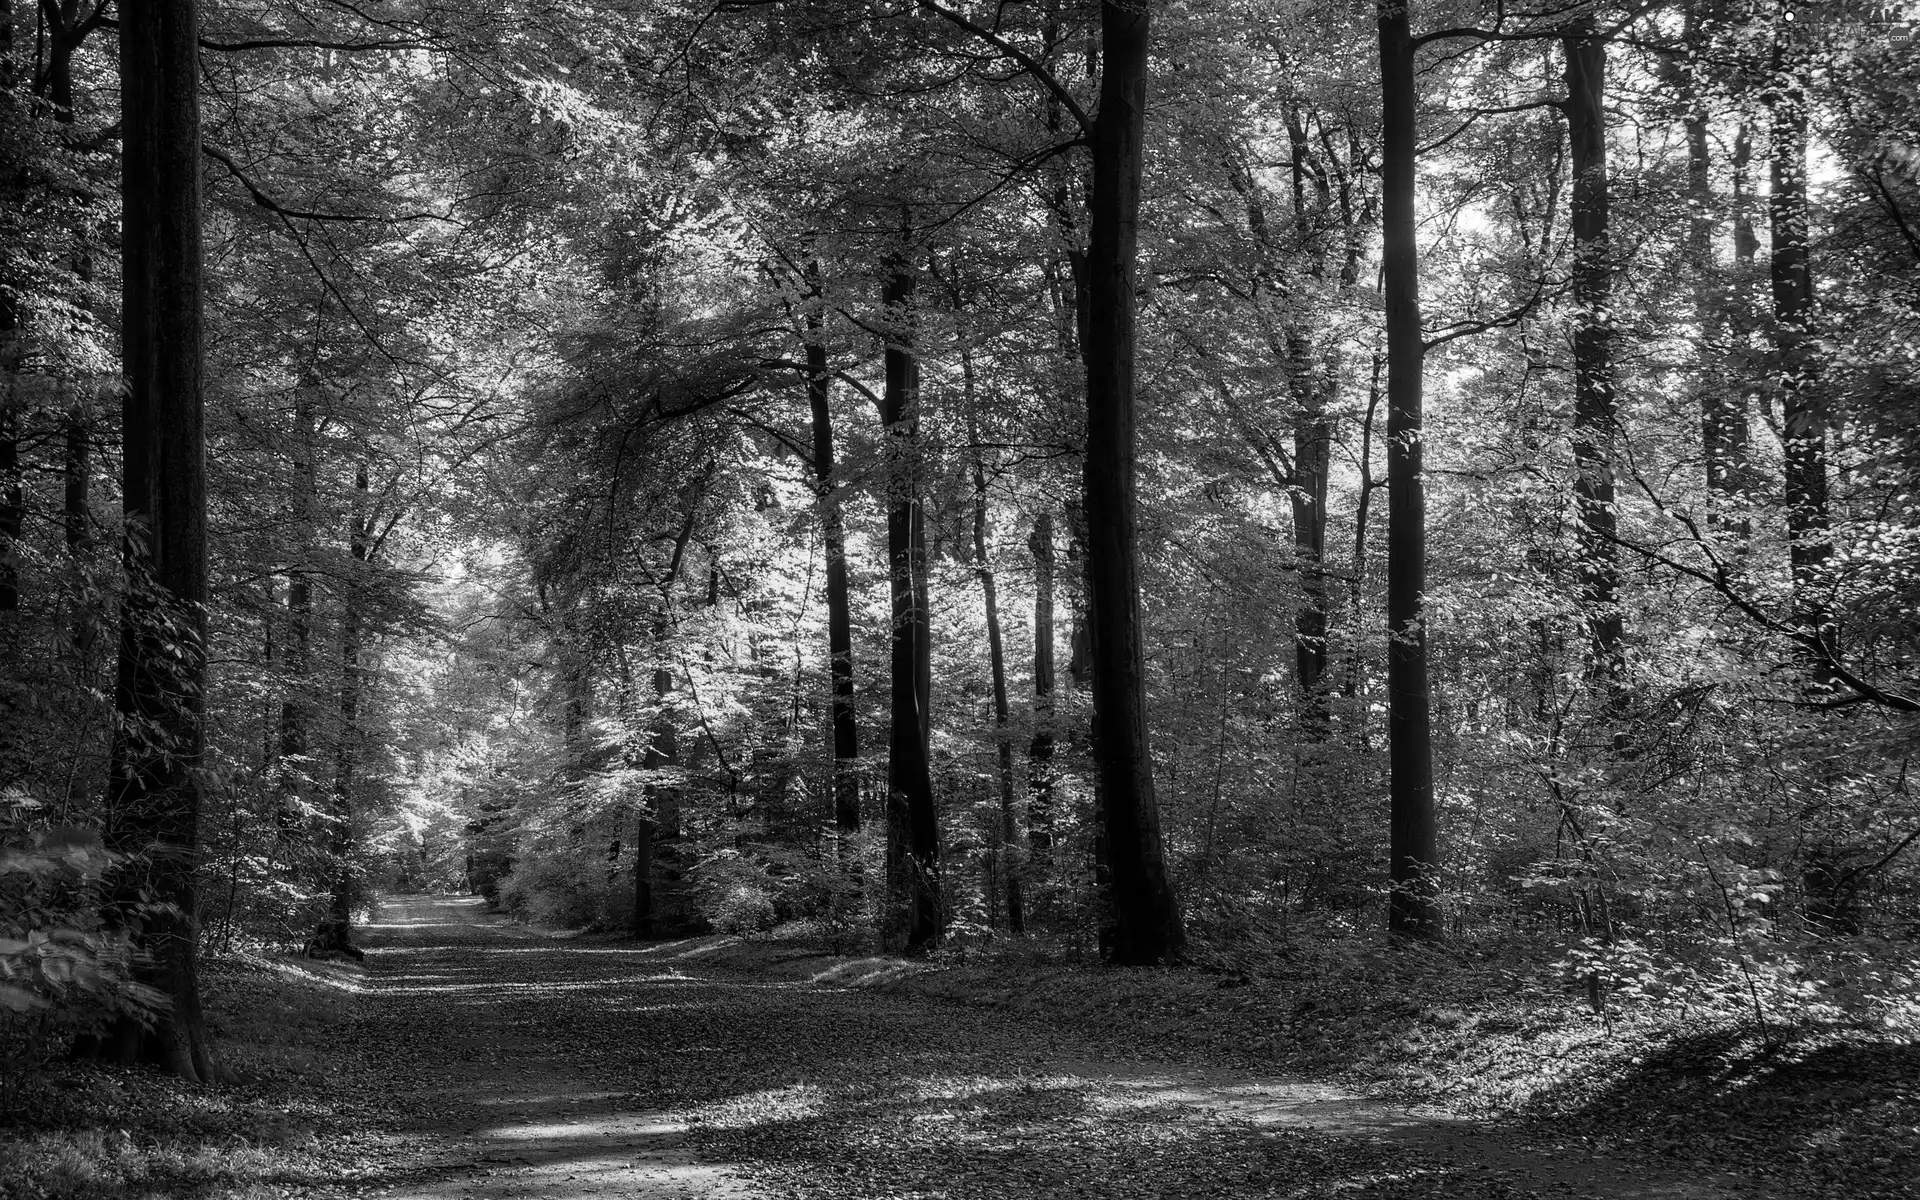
(1034, 67)
(267, 202)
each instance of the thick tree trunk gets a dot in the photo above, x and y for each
(1007, 854)
(1414, 868)
(846, 728)
(1595, 422)
(916, 916)
(153, 799)
(1040, 770)
(1142, 912)
(1803, 419)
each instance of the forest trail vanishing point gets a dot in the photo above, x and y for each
(534, 1067)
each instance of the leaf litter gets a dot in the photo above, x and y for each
(472, 1060)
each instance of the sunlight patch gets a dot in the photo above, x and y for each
(795, 1102)
(557, 1131)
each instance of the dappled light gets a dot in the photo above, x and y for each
(946, 600)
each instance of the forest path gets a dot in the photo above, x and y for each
(535, 1067)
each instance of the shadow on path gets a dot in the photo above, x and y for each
(531, 1066)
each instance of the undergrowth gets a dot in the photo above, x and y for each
(1811, 1096)
(85, 1131)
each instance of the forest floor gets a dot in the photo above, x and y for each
(473, 1059)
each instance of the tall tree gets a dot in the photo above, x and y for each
(913, 834)
(154, 800)
(1595, 421)
(1007, 853)
(1143, 912)
(1803, 418)
(1040, 766)
(291, 764)
(335, 931)
(1413, 833)
(1723, 411)
(846, 727)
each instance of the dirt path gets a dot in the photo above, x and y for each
(534, 1067)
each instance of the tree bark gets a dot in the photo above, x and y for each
(1356, 585)
(335, 932)
(13, 506)
(1414, 868)
(663, 750)
(1008, 852)
(846, 728)
(153, 800)
(916, 918)
(1143, 913)
(660, 814)
(12, 495)
(1312, 458)
(1596, 424)
(1796, 369)
(1040, 771)
(1723, 412)
(291, 761)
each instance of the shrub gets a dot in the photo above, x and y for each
(61, 970)
(567, 887)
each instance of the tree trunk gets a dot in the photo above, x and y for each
(1803, 419)
(1008, 852)
(335, 932)
(915, 919)
(1312, 457)
(1356, 586)
(1595, 422)
(291, 764)
(663, 750)
(76, 510)
(1414, 868)
(659, 815)
(12, 497)
(1142, 911)
(1723, 411)
(846, 728)
(153, 799)
(1040, 771)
